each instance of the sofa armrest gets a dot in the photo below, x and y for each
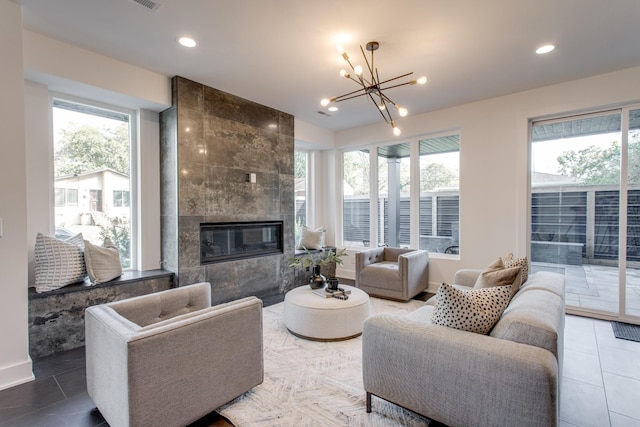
(457, 377)
(466, 277)
(413, 267)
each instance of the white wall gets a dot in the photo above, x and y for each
(15, 364)
(494, 166)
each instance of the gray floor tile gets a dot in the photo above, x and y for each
(582, 367)
(620, 362)
(623, 394)
(618, 420)
(28, 397)
(75, 412)
(605, 337)
(583, 404)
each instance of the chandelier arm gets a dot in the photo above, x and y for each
(350, 93)
(369, 66)
(384, 98)
(351, 97)
(398, 85)
(395, 78)
(374, 103)
(388, 99)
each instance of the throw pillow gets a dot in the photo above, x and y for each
(103, 263)
(523, 263)
(497, 275)
(58, 262)
(311, 239)
(474, 310)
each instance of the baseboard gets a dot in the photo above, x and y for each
(12, 376)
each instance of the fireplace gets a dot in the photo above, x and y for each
(236, 240)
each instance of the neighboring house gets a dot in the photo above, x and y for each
(79, 197)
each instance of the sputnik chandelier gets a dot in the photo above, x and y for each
(373, 87)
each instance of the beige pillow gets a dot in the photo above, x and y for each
(311, 239)
(474, 310)
(103, 263)
(497, 275)
(58, 262)
(523, 263)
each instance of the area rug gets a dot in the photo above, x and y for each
(626, 331)
(310, 383)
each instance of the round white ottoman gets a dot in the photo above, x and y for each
(314, 317)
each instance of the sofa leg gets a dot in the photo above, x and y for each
(368, 403)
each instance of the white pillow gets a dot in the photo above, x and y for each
(311, 239)
(58, 262)
(475, 310)
(103, 263)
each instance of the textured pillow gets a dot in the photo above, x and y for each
(523, 263)
(103, 263)
(497, 275)
(311, 239)
(475, 310)
(58, 262)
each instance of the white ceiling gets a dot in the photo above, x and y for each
(282, 53)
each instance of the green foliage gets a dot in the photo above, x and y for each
(600, 166)
(84, 148)
(436, 175)
(307, 260)
(120, 235)
(300, 164)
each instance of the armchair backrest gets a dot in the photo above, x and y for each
(392, 254)
(152, 308)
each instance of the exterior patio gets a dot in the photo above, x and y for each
(595, 287)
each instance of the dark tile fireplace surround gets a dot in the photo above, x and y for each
(225, 159)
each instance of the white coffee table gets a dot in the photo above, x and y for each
(314, 317)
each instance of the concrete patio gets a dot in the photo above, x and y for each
(595, 287)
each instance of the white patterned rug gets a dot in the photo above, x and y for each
(310, 383)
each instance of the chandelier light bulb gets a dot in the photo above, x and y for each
(396, 131)
(402, 111)
(324, 102)
(422, 80)
(382, 107)
(358, 69)
(343, 73)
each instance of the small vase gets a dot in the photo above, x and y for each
(317, 281)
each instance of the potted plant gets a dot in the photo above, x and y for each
(307, 261)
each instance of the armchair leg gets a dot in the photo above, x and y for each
(368, 403)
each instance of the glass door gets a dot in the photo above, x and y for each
(585, 209)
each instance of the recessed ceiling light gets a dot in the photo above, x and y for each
(187, 41)
(332, 108)
(545, 49)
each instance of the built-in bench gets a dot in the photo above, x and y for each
(56, 318)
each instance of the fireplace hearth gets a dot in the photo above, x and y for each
(228, 241)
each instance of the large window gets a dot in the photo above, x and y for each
(300, 176)
(92, 168)
(585, 186)
(431, 197)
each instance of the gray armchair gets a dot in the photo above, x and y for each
(169, 358)
(392, 273)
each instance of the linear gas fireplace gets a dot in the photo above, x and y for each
(235, 240)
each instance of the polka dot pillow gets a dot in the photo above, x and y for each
(475, 310)
(509, 262)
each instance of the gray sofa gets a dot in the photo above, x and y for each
(509, 377)
(392, 273)
(169, 358)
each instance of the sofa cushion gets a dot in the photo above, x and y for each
(383, 274)
(58, 262)
(534, 317)
(103, 263)
(475, 310)
(497, 275)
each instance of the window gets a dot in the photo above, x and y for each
(92, 172)
(432, 197)
(355, 203)
(300, 176)
(440, 194)
(120, 198)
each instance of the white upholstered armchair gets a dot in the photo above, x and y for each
(392, 273)
(169, 358)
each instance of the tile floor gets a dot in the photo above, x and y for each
(600, 387)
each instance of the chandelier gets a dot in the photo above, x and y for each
(372, 87)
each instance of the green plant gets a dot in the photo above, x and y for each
(308, 260)
(119, 234)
